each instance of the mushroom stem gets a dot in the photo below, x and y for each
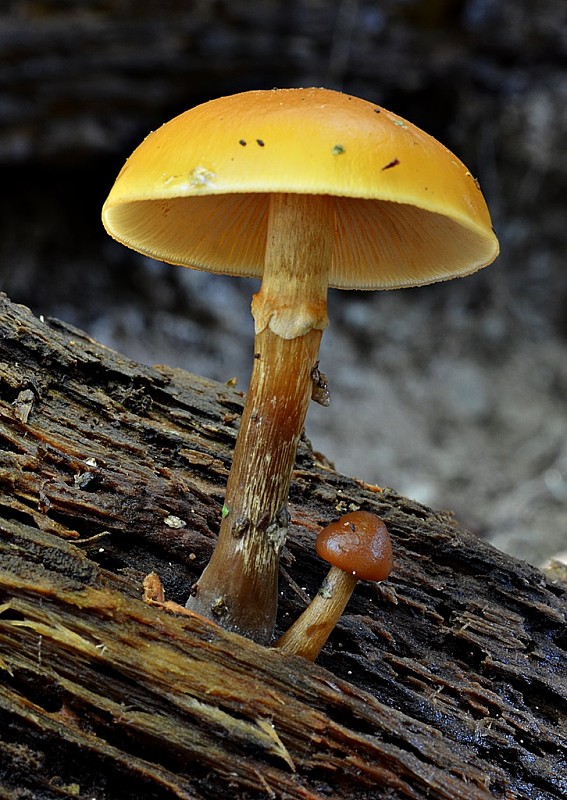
(238, 588)
(308, 634)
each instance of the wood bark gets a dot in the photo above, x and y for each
(446, 682)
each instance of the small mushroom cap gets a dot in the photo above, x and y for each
(358, 543)
(196, 191)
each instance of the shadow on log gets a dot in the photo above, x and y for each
(448, 681)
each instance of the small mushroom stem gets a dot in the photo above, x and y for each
(239, 586)
(308, 634)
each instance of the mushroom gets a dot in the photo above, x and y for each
(358, 547)
(305, 188)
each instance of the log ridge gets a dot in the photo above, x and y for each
(446, 682)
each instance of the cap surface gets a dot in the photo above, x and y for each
(195, 192)
(358, 543)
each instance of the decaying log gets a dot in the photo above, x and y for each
(448, 681)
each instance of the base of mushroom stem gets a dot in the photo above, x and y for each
(257, 624)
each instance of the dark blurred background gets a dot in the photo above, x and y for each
(454, 394)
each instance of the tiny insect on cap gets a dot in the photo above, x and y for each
(196, 191)
(358, 543)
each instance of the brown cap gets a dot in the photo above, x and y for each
(196, 191)
(358, 543)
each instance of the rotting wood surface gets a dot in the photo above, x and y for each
(448, 681)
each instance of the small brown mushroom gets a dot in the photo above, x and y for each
(358, 547)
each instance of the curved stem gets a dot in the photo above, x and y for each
(308, 634)
(239, 586)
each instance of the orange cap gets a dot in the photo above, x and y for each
(196, 191)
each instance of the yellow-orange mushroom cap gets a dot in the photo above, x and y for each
(196, 191)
